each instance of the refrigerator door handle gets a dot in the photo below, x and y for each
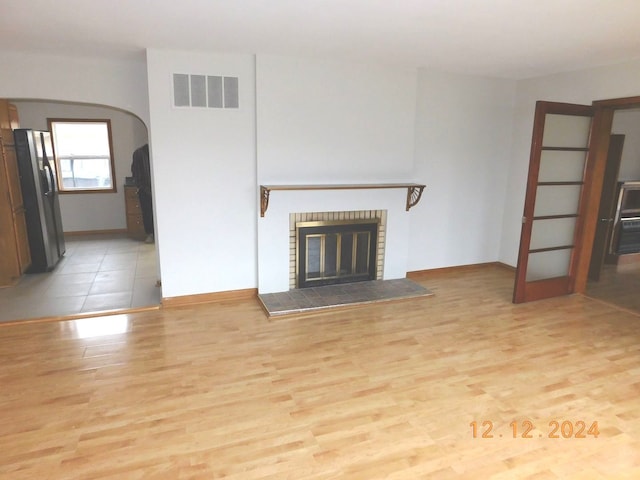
(47, 166)
(51, 182)
(44, 182)
(54, 183)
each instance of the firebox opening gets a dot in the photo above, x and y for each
(335, 252)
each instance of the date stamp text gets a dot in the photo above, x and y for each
(526, 429)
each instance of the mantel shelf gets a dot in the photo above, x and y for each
(414, 190)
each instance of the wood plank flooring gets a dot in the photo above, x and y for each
(381, 391)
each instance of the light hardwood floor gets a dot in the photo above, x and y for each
(379, 391)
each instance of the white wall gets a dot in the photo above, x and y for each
(204, 167)
(627, 122)
(332, 122)
(92, 211)
(116, 83)
(463, 138)
(582, 87)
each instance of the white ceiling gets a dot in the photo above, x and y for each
(504, 38)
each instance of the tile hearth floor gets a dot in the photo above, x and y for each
(317, 298)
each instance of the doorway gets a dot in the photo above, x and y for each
(558, 122)
(103, 269)
(614, 276)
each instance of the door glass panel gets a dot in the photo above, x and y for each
(561, 166)
(554, 232)
(557, 200)
(330, 254)
(362, 252)
(313, 255)
(566, 131)
(551, 264)
(346, 254)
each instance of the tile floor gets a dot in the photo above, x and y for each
(316, 298)
(97, 273)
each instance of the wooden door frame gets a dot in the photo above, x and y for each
(594, 179)
(606, 210)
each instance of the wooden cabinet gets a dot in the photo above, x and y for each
(19, 218)
(14, 243)
(135, 225)
(14, 120)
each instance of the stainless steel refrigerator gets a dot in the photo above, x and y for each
(41, 198)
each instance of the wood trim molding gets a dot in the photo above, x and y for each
(618, 103)
(419, 274)
(596, 162)
(215, 297)
(505, 265)
(80, 316)
(95, 232)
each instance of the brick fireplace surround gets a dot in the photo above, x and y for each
(295, 218)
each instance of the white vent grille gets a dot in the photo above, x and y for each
(202, 91)
(214, 89)
(181, 90)
(230, 92)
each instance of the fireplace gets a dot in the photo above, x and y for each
(336, 247)
(335, 252)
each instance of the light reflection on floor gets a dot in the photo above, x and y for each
(99, 326)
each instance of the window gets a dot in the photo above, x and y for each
(83, 155)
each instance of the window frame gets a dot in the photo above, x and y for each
(112, 169)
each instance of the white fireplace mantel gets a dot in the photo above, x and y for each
(274, 229)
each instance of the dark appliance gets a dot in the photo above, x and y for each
(41, 198)
(629, 238)
(627, 220)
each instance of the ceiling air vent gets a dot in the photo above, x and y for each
(212, 91)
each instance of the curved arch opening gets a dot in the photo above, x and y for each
(106, 266)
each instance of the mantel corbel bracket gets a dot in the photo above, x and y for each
(414, 191)
(264, 199)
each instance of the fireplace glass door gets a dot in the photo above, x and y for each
(331, 253)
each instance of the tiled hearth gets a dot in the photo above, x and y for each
(305, 300)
